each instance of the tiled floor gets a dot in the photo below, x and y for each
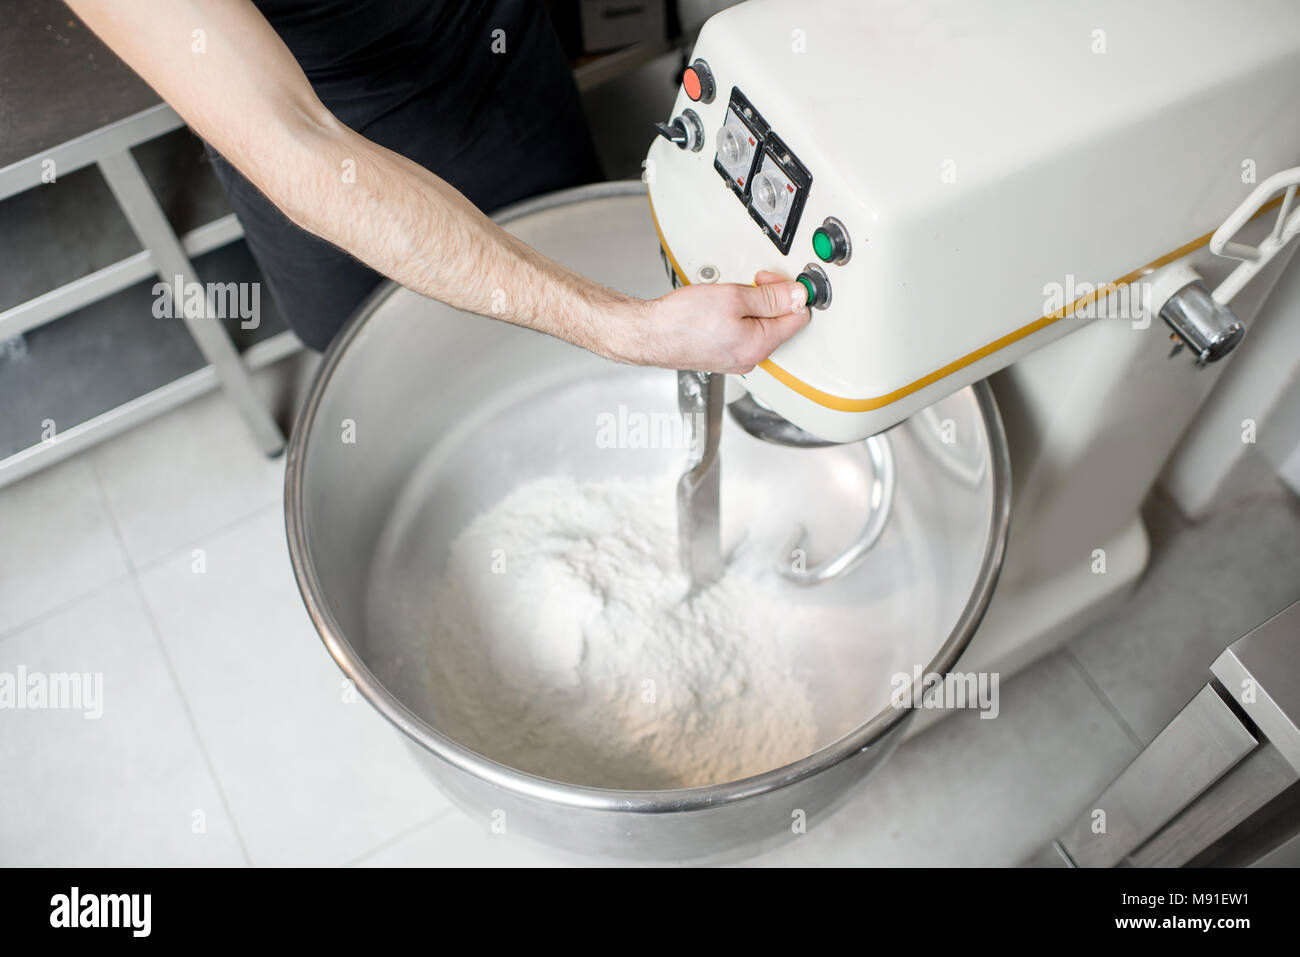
(226, 737)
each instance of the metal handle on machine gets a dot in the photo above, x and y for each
(1201, 319)
(1209, 328)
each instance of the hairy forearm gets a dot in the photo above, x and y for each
(244, 93)
(406, 223)
(223, 68)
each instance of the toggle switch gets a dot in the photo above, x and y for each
(819, 287)
(684, 132)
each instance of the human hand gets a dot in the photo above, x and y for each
(714, 328)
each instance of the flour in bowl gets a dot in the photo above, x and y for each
(566, 646)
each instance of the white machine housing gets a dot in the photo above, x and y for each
(993, 163)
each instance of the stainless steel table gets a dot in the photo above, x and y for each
(1232, 752)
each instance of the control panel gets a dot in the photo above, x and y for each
(739, 140)
(761, 170)
(905, 261)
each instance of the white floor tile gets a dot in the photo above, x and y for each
(1209, 585)
(977, 792)
(128, 788)
(178, 478)
(310, 779)
(455, 839)
(56, 542)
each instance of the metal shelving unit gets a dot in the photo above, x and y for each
(163, 254)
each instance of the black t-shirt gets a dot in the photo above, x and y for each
(483, 73)
(477, 91)
(365, 56)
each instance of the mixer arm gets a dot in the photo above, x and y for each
(880, 502)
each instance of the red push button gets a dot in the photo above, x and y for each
(691, 83)
(697, 81)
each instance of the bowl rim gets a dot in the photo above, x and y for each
(866, 735)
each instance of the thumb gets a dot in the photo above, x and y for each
(765, 277)
(772, 299)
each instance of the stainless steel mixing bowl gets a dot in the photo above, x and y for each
(449, 412)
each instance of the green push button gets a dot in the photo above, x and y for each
(830, 241)
(822, 245)
(819, 288)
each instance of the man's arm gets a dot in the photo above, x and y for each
(246, 95)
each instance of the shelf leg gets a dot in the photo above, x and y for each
(151, 228)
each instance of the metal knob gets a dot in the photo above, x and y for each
(1207, 327)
